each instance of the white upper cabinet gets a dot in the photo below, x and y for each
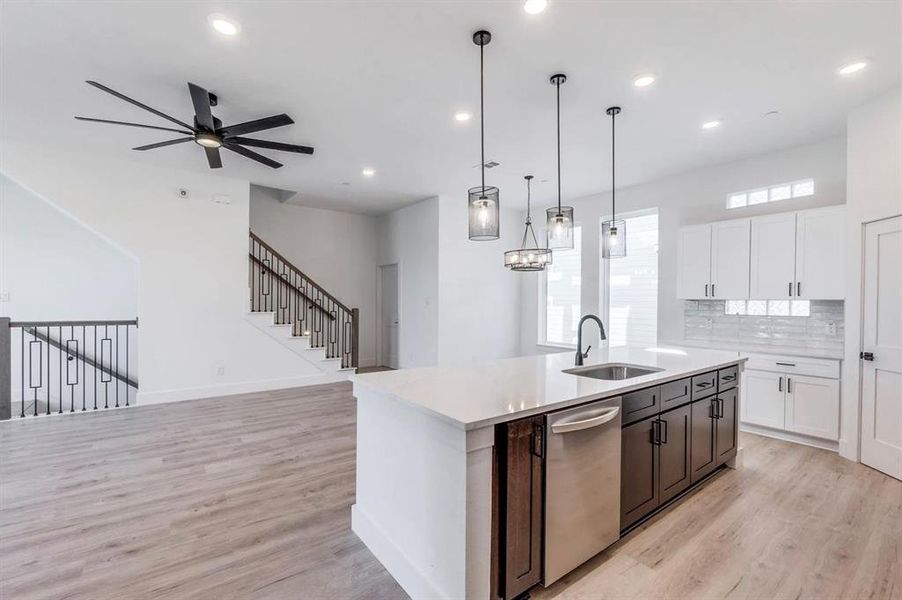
(773, 250)
(820, 249)
(730, 259)
(694, 262)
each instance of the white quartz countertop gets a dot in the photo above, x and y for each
(495, 391)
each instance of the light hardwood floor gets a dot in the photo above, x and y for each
(249, 496)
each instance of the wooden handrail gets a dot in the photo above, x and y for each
(299, 272)
(291, 285)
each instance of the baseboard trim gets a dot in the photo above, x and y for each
(788, 436)
(395, 562)
(231, 389)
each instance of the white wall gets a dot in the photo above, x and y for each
(479, 299)
(874, 190)
(192, 262)
(56, 269)
(693, 197)
(409, 237)
(337, 249)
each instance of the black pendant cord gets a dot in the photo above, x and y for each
(613, 170)
(558, 86)
(529, 228)
(482, 114)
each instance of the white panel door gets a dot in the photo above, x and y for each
(881, 389)
(763, 398)
(694, 262)
(389, 316)
(820, 253)
(772, 274)
(812, 406)
(730, 259)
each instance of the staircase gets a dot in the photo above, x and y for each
(297, 312)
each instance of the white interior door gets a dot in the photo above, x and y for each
(881, 389)
(820, 253)
(389, 316)
(763, 398)
(730, 259)
(772, 275)
(694, 262)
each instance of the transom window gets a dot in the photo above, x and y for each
(768, 308)
(774, 193)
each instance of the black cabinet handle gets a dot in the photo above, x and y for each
(728, 377)
(780, 385)
(656, 432)
(798, 288)
(664, 423)
(712, 291)
(537, 442)
(720, 408)
(790, 289)
(789, 385)
(786, 364)
(706, 290)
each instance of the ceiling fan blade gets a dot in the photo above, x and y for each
(100, 86)
(258, 125)
(271, 145)
(252, 155)
(134, 125)
(201, 100)
(166, 143)
(213, 158)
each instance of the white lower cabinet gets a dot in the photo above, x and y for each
(812, 406)
(780, 393)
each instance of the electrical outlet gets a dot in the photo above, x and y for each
(220, 369)
(831, 328)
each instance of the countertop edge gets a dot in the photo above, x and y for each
(470, 426)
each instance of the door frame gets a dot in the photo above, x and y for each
(379, 325)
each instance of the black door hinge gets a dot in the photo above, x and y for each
(866, 355)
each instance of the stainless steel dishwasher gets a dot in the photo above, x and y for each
(582, 485)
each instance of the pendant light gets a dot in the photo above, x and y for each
(559, 219)
(484, 211)
(613, 232)
(528, 258)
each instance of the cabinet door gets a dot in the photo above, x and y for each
(812, 406)
(523, 506)
(820, 254)
(730, 259)
(638, 472)
(773, 250)
(762, 398)
(703, 454)
(694, 262)
(674, 466)
(726, 425)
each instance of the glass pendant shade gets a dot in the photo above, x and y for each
(613, 238)
(484, 212)
(559, 227)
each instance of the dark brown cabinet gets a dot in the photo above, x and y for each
(638, 471)
(704, 452)
(521, 485)
(674, 471)
(725, 425)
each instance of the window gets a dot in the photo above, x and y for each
(774, 193)
(629, 285)
(768, 308)
(563, 280)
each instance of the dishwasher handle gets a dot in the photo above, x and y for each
(606, 416)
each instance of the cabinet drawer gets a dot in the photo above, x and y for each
(794, 365)
(704, 385)
(675, 393)
(641, 404)
(727, 378)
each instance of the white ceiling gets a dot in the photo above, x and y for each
(377, 83)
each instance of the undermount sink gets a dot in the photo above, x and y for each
(612, 371)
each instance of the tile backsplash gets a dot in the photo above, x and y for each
(821, 332)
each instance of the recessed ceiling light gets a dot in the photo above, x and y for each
(462, 115)
(368, 172)
(534, 7)
(853, 67)
(711, 124)
(644, 80)
(223, 25)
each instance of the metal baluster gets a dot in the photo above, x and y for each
(106, 384)
(60, 338)
(127, 391)
(84, 379)
(49, 368)
(22, 364)
(116, 346)
(95, 367)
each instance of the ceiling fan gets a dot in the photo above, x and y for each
(208, 130)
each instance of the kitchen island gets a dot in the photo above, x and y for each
(448, 456)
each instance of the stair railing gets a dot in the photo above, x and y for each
(53, 367)
(277, 286)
